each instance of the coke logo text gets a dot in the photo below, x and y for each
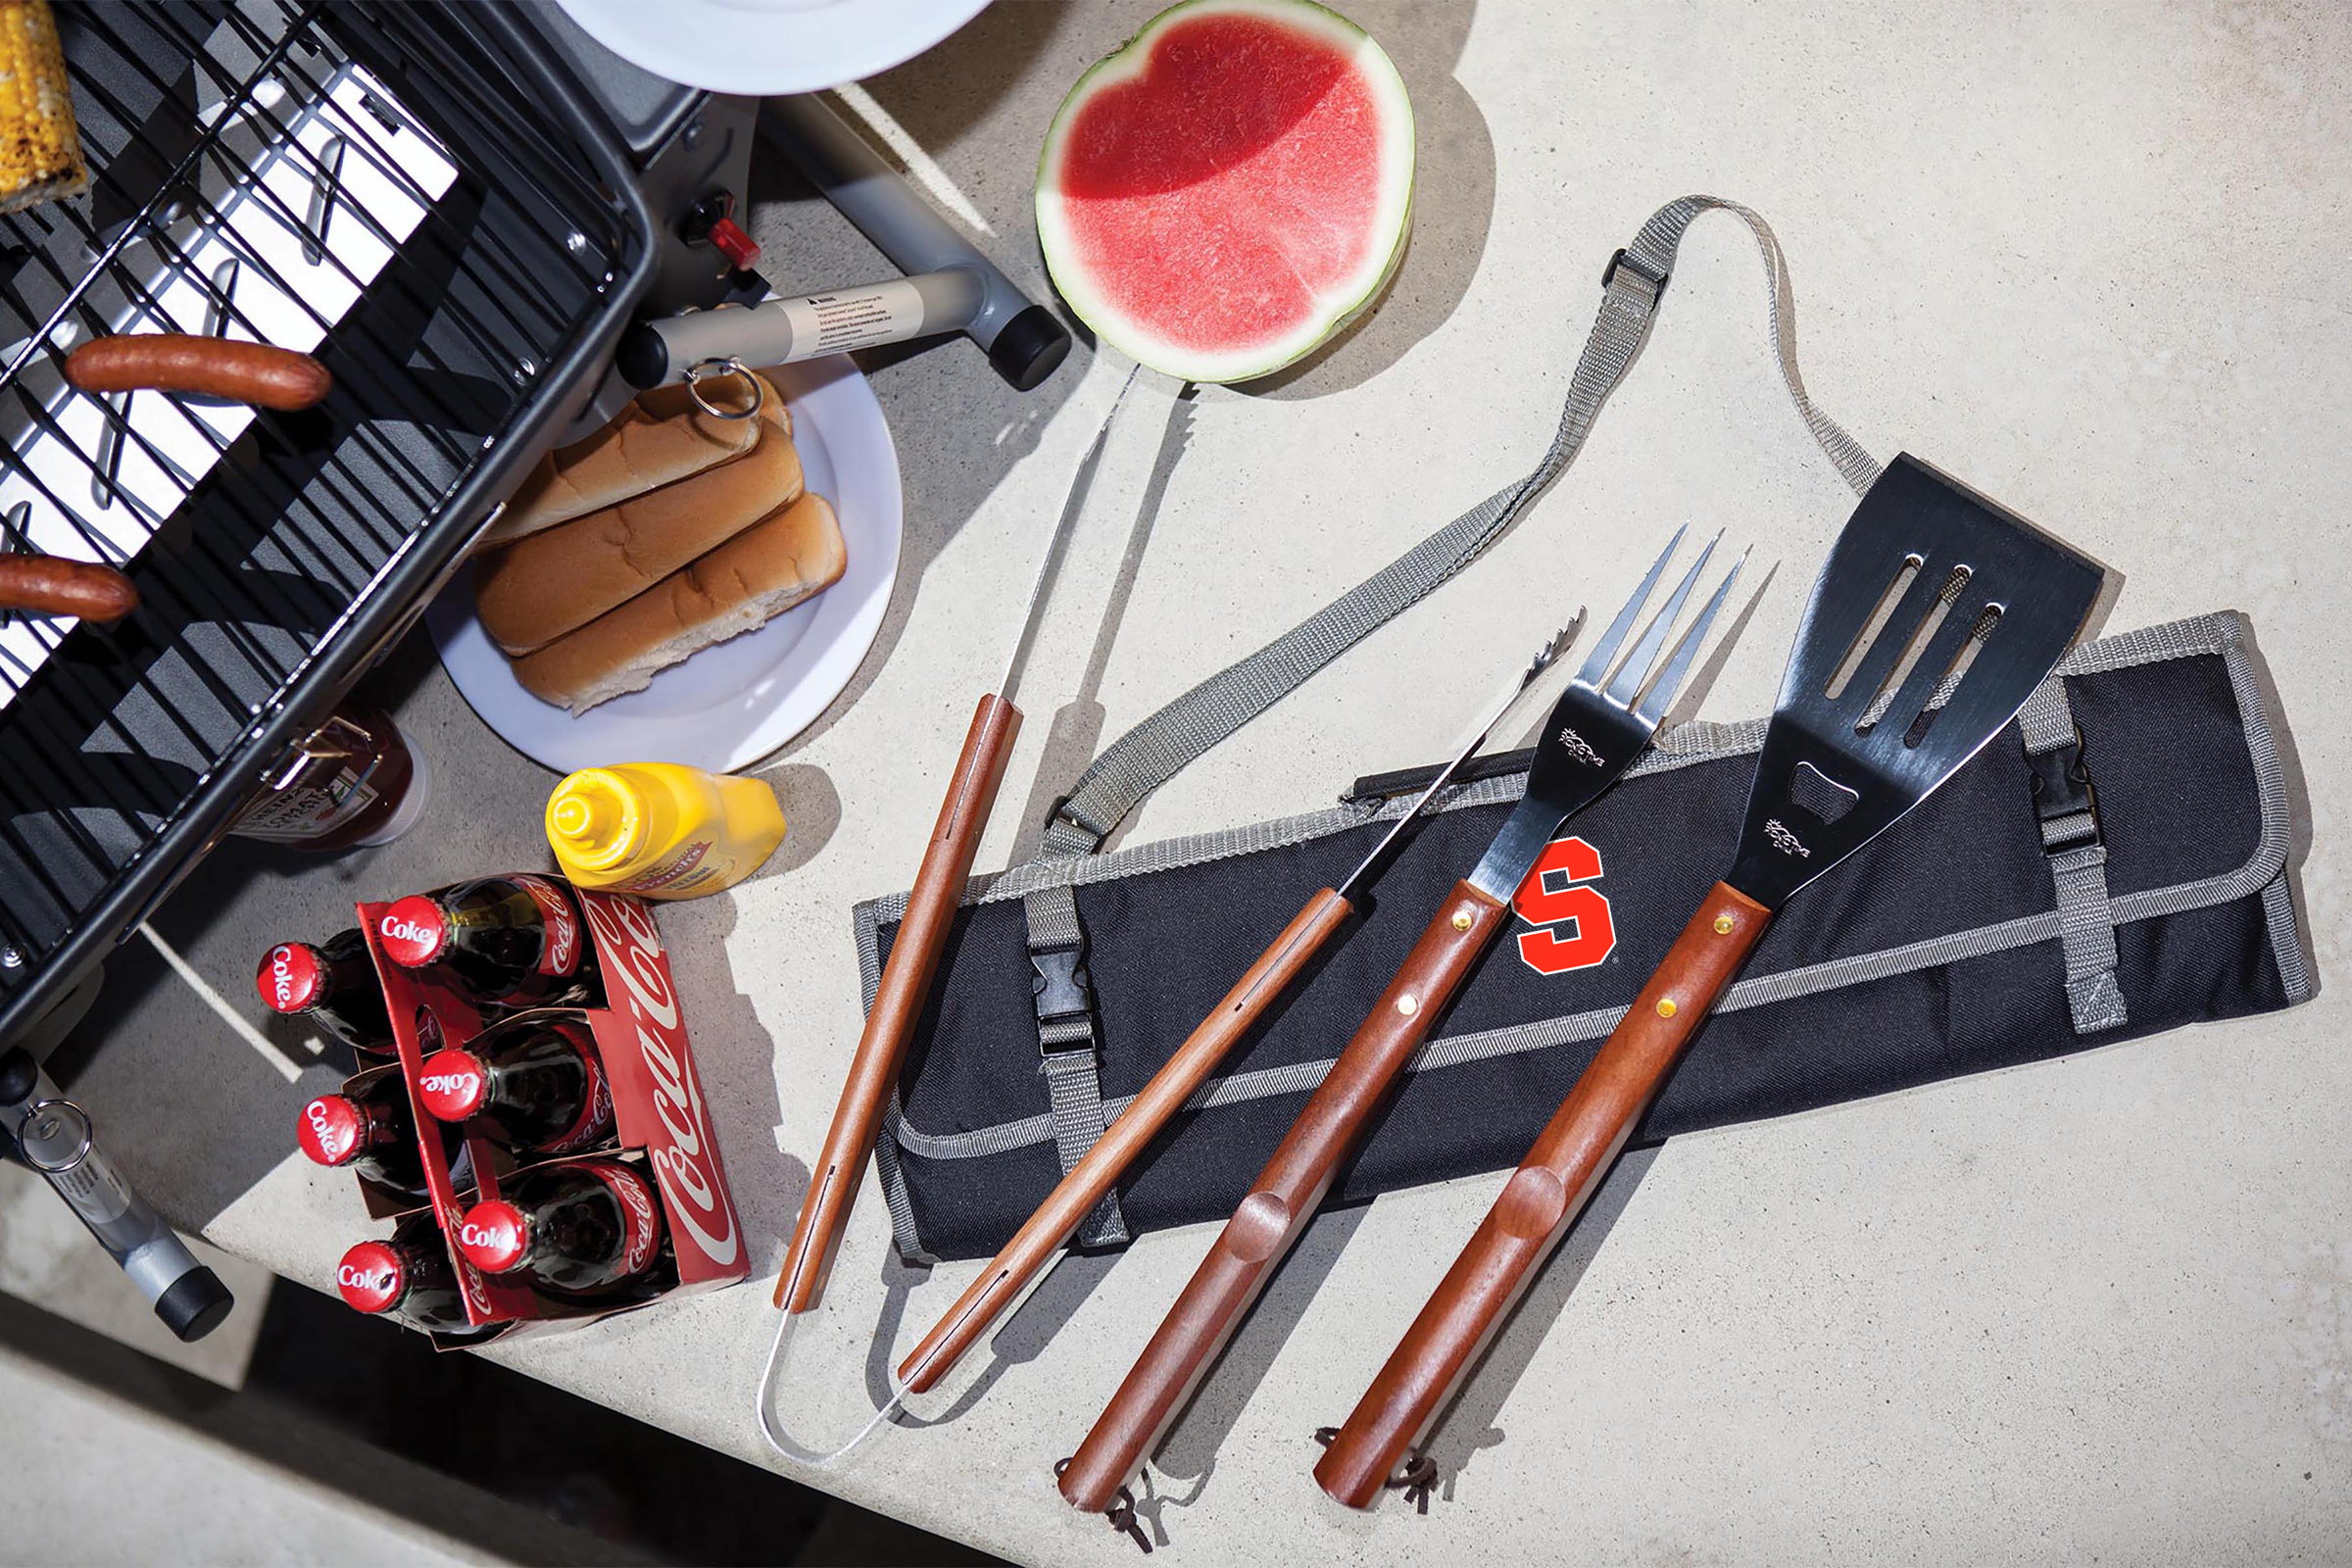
(1574, 927)
(394, 929)
(323, 1129)
(472, 1235)
(446, 1082)
(360, 1278)
(281, 975)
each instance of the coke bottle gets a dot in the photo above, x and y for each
(370, 1132)
(538, 1090)
(590, 1229)
(503, 941)
(407, 1278)
(333, 984)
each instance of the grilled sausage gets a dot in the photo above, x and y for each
(51, 585)
(211, 367)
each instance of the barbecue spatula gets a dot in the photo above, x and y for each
(1935, 617)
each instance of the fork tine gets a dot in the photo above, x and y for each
(1661, 693)
(1604, 652)
(1636, 670)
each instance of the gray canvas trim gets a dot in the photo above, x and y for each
(2278, 908)
(2223, 634)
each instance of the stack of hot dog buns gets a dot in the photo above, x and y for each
(666, 531)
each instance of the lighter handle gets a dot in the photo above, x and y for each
(898, 999)
(1282, 1200)
(1542, 1200)
(1042, 1236)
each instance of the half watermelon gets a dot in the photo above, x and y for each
(1222, 194)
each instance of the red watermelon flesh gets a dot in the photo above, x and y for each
(1219, 196)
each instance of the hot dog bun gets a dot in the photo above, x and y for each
(661, 437)
(793, 553)
(560, 578)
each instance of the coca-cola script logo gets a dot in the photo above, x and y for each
(685, 1158)
(560, 953)
(640, 1222)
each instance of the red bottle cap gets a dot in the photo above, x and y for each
(734, 244)
(330, 1130)
(372, 1277)
(453, 1083)
(494, 1236)
(413, 931)
(291, 977)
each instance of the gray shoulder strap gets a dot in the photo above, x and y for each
(1164, 744)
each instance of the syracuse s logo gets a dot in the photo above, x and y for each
(1571, 917)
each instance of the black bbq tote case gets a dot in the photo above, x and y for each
(1984, 930)
(2113, 864)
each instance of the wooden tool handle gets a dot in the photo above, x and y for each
(210, 366)
(1543, 1198)
(1281, 1203)
(1045, 1232)
(51, 585)
(898, 1000)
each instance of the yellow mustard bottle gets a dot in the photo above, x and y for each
(662, 830)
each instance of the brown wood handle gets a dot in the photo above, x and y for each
(898, 1000)
(51, 585)
(1542, 1200)
(1044, 1234)
(1282, 1200)
(210, 366)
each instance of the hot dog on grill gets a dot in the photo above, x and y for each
(210, 367)
(51, 585)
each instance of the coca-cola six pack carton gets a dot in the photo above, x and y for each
(657, 1128)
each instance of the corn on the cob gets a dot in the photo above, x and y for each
(40, 150)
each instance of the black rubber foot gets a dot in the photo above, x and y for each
(1030, 348)
(641, 358)
(194, 1304)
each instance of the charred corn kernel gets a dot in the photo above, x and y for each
(40, 150)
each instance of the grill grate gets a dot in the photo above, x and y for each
(395, 189)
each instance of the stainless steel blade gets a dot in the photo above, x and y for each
(1073, 504)
(1836, 771)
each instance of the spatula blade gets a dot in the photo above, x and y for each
(1989, 599)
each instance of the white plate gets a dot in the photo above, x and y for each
(737, 701)
(768, 46)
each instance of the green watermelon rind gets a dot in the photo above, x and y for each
(1109, 326)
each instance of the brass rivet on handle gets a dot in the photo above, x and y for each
(1462, 920)
(1408, 1003)
(1665, 1006)
(1723, 925)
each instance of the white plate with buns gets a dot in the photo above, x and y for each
(732, 701)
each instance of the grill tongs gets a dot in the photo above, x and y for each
(1934, 617)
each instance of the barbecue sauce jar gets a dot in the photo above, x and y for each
(352, 781)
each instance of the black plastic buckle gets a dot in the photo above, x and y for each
(1656, 279)
(1061, 988)
(1060, 811)
(2062, 789)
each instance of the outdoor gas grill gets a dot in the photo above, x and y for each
(422, 196)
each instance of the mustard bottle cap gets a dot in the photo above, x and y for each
(594, 820)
